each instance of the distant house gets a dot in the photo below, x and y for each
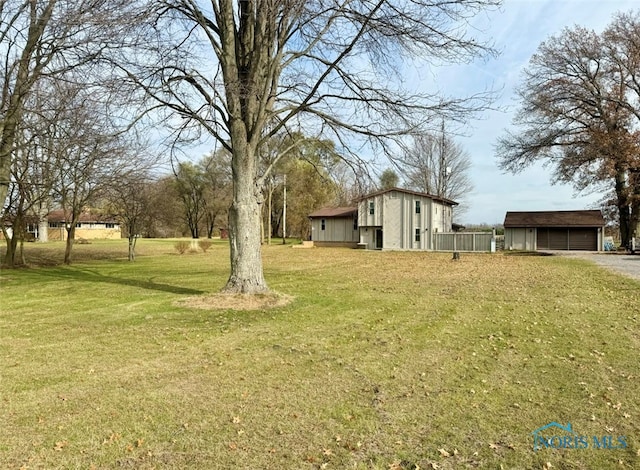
(30, 228)
(393, 219)
(554, 230)
(89, 226)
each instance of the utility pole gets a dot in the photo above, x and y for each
(442, 176)
(284, 213)
(269, 215)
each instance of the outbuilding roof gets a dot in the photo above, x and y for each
(590, 218)
(334, 212)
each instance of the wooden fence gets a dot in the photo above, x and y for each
(464, 241)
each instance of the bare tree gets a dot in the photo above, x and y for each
(85, 152)
(190, 186)
(29, 191)
(218, 190)
(130, 200)
(164, 215)
(579, 113)
(436, 164)
(40, 40)
(623, 50)
(244, 70)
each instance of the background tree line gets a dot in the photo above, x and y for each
(81, 81)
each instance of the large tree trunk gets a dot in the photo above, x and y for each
(634, 180)
(244, 227)
(624, 216)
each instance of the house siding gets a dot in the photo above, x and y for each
(520, 239)
(94, 232)
(395, 213)
(335, 230)
(393, 217)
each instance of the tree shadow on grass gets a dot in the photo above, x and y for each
(87, 275)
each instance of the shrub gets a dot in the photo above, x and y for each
(205, 245)
(182, 246)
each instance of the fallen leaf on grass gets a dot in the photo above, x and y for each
(444, 453)
(60, 445)
(112, 438)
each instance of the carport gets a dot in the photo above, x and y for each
(554, 230)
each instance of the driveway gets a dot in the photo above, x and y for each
(626, 264)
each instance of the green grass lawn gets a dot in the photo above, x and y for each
(384, 360)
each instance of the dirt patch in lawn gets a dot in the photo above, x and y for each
(236, 301)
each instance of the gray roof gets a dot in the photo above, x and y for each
(415, 193)
(334, 212)
(591, 218)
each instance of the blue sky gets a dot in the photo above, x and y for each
(517, 29)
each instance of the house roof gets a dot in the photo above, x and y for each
(415, 193)
(592, 218)
(86, 217)
(334, 212)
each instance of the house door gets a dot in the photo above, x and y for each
(378, 239)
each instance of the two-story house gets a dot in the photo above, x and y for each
(392, 219)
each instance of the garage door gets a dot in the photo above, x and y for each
(568, 239)
(583, 239)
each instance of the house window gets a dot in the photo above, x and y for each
(417, 207)
(322, 224)
(108, 225)
(371, 208)
(417, 235)
(78, 225)
(53, 224)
